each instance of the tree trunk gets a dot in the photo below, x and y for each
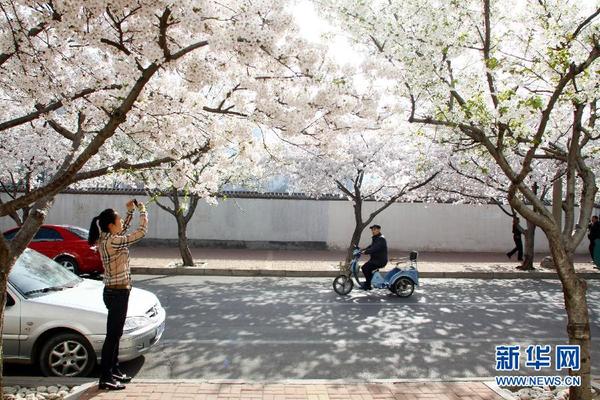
(10, 251)
(6, 263)
(529, 249)
(358, 228)
(578, 325)
(557, 192)
(184, 249)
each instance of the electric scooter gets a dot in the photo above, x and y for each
(401, 281)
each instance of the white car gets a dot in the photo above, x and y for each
(56, 319)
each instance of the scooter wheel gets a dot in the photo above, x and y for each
(404, 287)
(342, 285)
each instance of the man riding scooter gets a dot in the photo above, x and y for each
(379, 255)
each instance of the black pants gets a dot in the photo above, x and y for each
(592, 248)
(116, 301)
(368, 269)
(518, 248)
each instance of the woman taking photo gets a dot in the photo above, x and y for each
(109, 232)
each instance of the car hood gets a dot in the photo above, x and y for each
(88, 296)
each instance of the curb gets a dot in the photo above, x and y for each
(505, 394)
(199, 271)
(81, 390)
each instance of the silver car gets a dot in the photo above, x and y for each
(58, 320)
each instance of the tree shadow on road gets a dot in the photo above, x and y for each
(277, 328)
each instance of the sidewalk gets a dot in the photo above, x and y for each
(216, 391)
(319, 263)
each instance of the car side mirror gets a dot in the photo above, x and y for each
(9, 300)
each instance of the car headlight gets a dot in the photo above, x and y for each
(133, 323)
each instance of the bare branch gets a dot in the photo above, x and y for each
(162, 36)
(344, 189)
(125, 165)
(220, 110)
(486, 52)
(377, 43)
(119, 46)
(582, 26)
(44, 109)
(61, 130)
(402, 192)
(188, 49)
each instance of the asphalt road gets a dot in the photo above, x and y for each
(276, 328)
(267, 329)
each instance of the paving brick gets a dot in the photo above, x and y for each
(371, 391)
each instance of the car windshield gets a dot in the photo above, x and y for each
(35, 274)
(82, 233)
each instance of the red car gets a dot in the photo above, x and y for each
(66, 245)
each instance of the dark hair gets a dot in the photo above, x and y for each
(105, 218)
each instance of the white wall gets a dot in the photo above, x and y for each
(434, 227)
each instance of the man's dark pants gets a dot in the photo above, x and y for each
(518, 248)
(116, 301)
(368, 269)
(592, 248)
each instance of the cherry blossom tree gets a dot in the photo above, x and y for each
(93, 89)
(363, 155)
(365, 166)
(470, 179)
(183, 186)
(515, 83)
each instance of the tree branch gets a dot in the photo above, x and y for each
(486, 52)
(162, 36)
(42, 109)
(61, 130)
(402, 192)
(125, 165)
(187, 50)
(344, 189)
(574, 70)
(220, 110)
(193, 203)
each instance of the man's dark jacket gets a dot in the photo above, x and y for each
(378, 251)
(594, 231)
(517, 231)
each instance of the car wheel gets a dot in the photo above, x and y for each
(67, 355)
(69, 263)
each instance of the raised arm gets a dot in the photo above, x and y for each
(122, 241)
(128, 217)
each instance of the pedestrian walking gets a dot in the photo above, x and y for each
(593, 234)
(517, 231)
(109, 232)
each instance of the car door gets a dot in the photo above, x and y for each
(47, 241)
(11, 330)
